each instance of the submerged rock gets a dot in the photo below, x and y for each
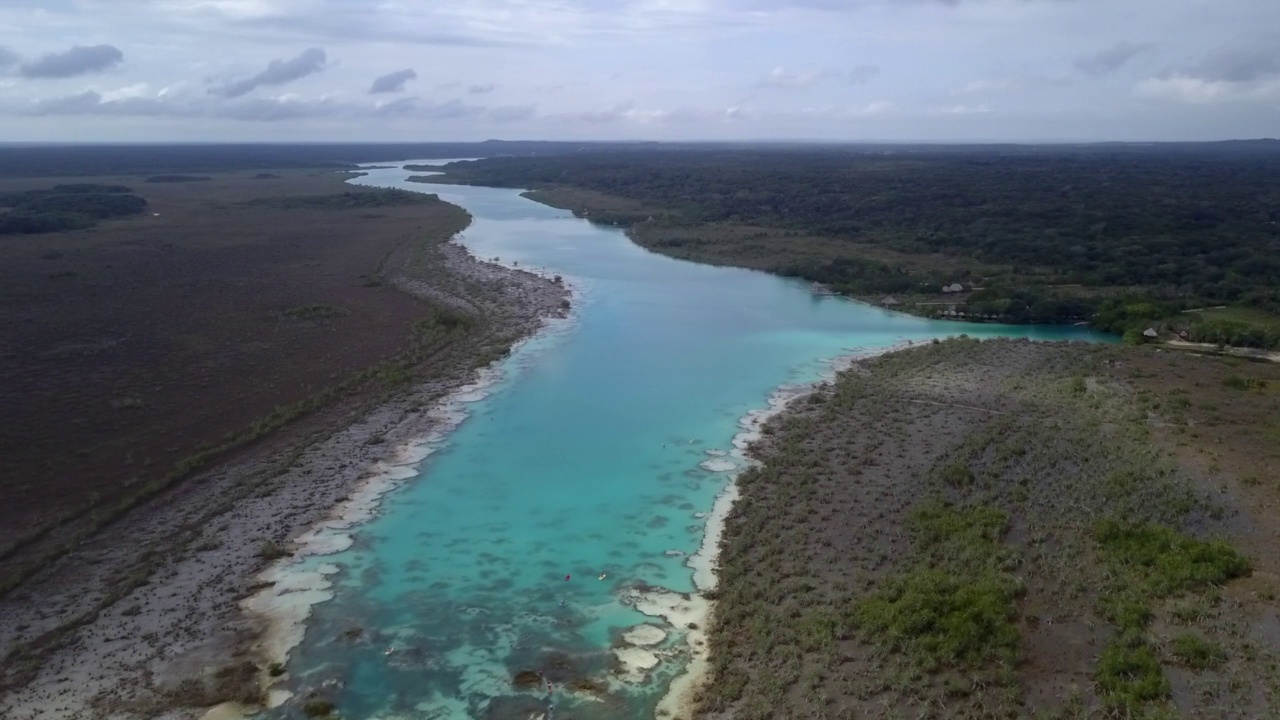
(514, 707)
(527, 680)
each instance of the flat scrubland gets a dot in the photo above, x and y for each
(1008, 529)
(134, 348)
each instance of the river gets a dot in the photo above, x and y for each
(581, 477)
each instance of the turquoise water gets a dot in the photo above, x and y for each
(583, 459)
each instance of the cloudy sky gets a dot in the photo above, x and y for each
(135, 70)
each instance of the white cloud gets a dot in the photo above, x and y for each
(966, 110)
(1198, 91)
(780, 77)
(1241, 75)
(135, 101)
(129, 91)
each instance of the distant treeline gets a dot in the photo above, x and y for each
(66, 207)
(1178, 225)
(345, 200)
(178, 178)
(146, 160)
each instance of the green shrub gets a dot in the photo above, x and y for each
(1235, 382)
(957, 474)
(961, 538)
(1126, 610)
(1196, 652)
(945, 619)
(1129, 676)
(272, 551)
(1168, 561)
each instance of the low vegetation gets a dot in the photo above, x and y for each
(1001, 529)
(205, 371)
(956, 607)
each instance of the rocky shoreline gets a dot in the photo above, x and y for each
(81, 642)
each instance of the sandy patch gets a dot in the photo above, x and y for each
(644, 635)
(718, 465)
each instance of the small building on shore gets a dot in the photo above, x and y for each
(889, 301)
(1150, 333)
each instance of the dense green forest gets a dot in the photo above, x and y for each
(1141, 232)
(66, 207)
(346, 200)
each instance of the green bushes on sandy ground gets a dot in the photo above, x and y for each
(977, 529)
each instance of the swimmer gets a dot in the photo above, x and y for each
(566, 577)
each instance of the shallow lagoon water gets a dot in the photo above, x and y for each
(588, 456)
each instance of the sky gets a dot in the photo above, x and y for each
(460, 70)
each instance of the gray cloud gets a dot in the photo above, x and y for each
(347, 24)
(8, 58)
(92, 103)
(392, 82)
(1237, 66)
(417, 108)
(278, 72)
(481, 89)
(1109, 60)
(79, 60)
(863, 74)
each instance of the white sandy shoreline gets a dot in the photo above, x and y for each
(294, 588)
(680, 699)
